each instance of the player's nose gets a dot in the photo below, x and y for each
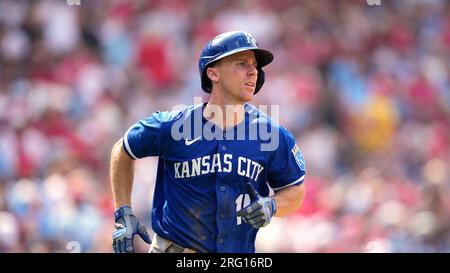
(252, 71)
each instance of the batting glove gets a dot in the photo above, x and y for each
(260, 211)
(126, 227)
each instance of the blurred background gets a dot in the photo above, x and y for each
(365, 90)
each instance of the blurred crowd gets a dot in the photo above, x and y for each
(365, 90)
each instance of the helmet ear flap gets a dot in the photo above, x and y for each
(206, 83)
(260, 80)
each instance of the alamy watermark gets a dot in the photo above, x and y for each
(259, 126)
(73, 2)
(373, 2)
(73, 247)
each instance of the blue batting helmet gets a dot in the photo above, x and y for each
(229, 43)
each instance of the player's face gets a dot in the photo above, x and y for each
(237, 75)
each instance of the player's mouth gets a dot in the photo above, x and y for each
(250, 84)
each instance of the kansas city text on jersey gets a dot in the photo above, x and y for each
(217, 163)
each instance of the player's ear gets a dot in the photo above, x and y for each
(212, 74)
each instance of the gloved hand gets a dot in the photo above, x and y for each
(260, 211)
(126, 227)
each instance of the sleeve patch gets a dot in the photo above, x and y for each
(298, 157)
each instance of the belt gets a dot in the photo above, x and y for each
(163, 245)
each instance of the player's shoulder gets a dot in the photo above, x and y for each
(258, 115)
(176, 114)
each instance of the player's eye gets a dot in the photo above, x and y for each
(243, 63)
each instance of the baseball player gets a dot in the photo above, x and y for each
(217, 186)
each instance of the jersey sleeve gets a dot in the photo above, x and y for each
(287, 165)
(144, 138)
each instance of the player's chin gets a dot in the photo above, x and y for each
(247, 97)
(247, 93)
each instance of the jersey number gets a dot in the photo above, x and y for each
(242, 201)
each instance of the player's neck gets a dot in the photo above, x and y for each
(223, 112)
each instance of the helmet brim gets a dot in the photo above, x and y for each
(263, 57)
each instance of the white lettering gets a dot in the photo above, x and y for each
(216, 163)
(260, 169)
(196, 166)
(176, 167)
(226, 160)
(188, 263)
(255, 165)
(185, 170)
(205, 162)
(247, 173)
(240, 171)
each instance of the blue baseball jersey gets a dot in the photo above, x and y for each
(201, 179)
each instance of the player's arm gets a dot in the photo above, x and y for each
(126, 223)
(261, 210)
(289, 200)
(141, 140)
(122, 174)
(286, 176)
